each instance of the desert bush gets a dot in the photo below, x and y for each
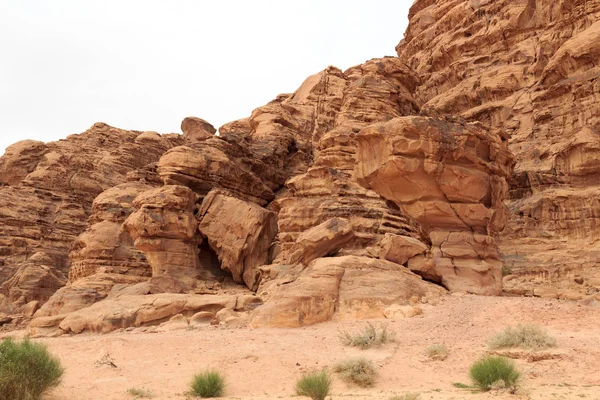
(27, 370)
(437, 352)
(368, 337)
(493, 370)
(140, 393)
(315, 385)
(407, 396)
(530, 337)
(208, 384)
(359, 371)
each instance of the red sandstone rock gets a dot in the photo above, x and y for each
(451, 178)
(527, 68)
(240, 233)
(196, 130)
(47, 195)
(344, 288)
(164, 228)
(382, 147)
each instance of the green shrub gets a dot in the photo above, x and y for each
(407, 396)
(140, 393)
(208, 384)
(359, 371)
(437, 352)
(370, 336)
(315, 385)
(529, 337)
(493, 370)
(27, 370)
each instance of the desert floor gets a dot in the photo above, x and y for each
(265, 363)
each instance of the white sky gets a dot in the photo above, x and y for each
(147, 64)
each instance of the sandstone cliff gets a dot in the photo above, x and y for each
(470, 154)
(529, 68)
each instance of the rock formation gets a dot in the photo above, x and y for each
(528, 68)
(451, 179)
(46, 197)
(471, 154)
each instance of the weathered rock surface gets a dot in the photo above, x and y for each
(451, 178)
(46, 194)
(347, 287)
(105, 247)
(164, 228)
(400, 249)
(322, 240)
(324, 200)
(196, 130)
(528, 68)
(240, 233)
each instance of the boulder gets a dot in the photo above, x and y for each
(240, 233)
(320, 241)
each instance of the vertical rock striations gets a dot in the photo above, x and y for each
(529, 68)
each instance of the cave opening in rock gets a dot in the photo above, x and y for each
(209, 264)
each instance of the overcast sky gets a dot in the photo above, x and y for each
(147, 64)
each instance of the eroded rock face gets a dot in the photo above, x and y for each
(164, 228)
(46, 196)
(322, 240)
(105, 247)
(345, 288)
(527, 68)
(335, 201)
(196, 130)
(451, 178)
(240, 233)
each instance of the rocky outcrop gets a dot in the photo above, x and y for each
(471, 155)
(196, 130)
(527, 68)
(344, 288)
(105, 247)
(164, 228)
(451, 179)
(46, 197)
(240, 233)
(322, 240)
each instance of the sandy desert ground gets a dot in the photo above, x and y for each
(265, 363)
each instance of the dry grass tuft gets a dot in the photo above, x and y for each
(370, 336)
(139, 393)
(437, 352)
(407, 396)
(530, 337)
(359, 371)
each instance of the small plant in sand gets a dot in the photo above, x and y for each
(494, 372)
(27, 370)
(106, 360)
(208, 384)
(139, 393)
(368, 337)
(530, 337)
(359, 371)
(407, 396)
(438, 352)
(315, 385)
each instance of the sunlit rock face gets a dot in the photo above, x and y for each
(528, 68)
(451, 179)
(471, 155)
(46, 197)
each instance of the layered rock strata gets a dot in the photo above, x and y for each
(46, 197)
(451, 179)
(528, 68)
